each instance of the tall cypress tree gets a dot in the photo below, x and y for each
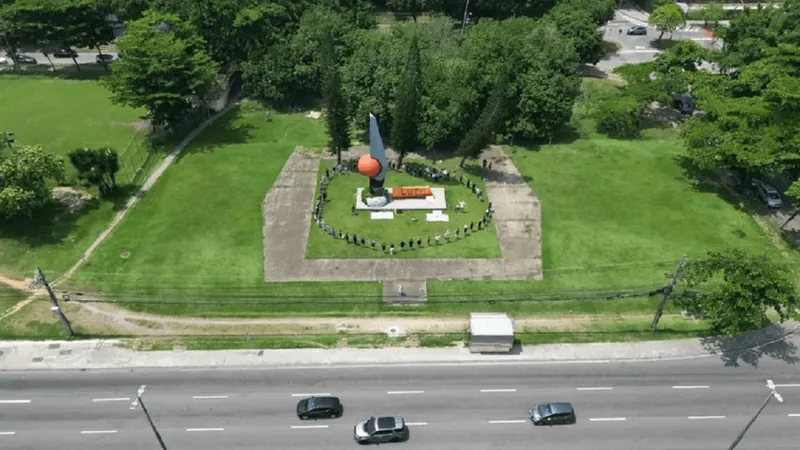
(489, 122)
(406, 112)
(335, 108)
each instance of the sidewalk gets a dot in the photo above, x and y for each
(107, 354)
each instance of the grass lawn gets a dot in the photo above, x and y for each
(61, 115)
(406, 224)
(197, 236)
(9, 297)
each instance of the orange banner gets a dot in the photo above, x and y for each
(411, 192)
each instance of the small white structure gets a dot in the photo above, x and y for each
(490, 333)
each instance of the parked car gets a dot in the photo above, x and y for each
(104, 58)
(65, 53)
(768, 194)
(637, 31)
(319, 408)
(381, 429)
(25, 59)
(553, 414)
(5, 60)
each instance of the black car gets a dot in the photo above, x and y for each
(319, 408)
(637, 31)
(553, 414)
(103, 59)
(25, 59)
(65, 53)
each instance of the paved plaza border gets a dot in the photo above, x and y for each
(287, 220)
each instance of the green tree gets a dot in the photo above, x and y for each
(483, 131)
(713, 12)
(414, 7)
(579, 27)
(336, 118)
(667, 18)
(407, 108)
(793, 193)
(165, 70)
(84, 24)
(98, 167)
(618, 116)
(24, 174)
(750, 287)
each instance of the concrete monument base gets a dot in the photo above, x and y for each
(437, 201)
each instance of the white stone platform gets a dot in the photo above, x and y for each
(437, 201)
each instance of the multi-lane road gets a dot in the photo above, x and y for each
(680, 405)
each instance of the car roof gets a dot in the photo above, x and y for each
(324, 402)
(560, 408)
(388, 423)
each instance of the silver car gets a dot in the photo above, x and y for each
(768, 194)
(381, 429)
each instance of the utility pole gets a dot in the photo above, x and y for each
(772, 393)
(138, 402)
(464, 22)
(667, 292)
(38, 278)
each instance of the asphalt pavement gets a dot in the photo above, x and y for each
(662, 405)
(82, 58)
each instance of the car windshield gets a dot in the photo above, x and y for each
(311, 404)
(369, 427)
(773, 196)
(544, 410)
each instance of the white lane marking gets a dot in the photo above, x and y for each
(628, 52)
(787, 385)
(607, 419)
(595, 388)
(205, 429)
(7, 433)
(702, 39)
(303, 427)
(497, 390)
(416, 424)
(705, 417)
(690, 387)
(98, 431)
(794, 415)
(209, 397)
(506, 421)
(405, 392)
(311, 395)
(119, 399)
(13, 402)
(640, 47)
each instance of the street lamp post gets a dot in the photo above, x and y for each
(464, 22)
(772, 393)
(138, 402)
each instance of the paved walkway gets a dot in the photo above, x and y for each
(108, 354)
(287, 220)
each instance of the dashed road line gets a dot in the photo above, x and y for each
(209, 397)
(486, 391)
(705, 417)
(13, 402)
(205, 429)
(607, 419)
(595, 388)
(405, 392)
(690, 387)
(317, 394)
(794, 415)
(494, 422)
(306, 427)
(118, 399)
(416, 424)
(98, 431)
(7, 433)
(787, 385)
(702, 39)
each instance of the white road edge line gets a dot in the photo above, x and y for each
(7, 433)
(595, 388)
(607, 419)
(416, 424)
(405, 392)
(311, 395)
(13, 402)
(209, 397)
(690, 387)
(497, 390)
(506, 421)
(119, 399)
(205, 429)
(304, 427)
(98, 431)
(787, 385)
(705, 417)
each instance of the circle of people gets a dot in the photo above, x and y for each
(417, 170)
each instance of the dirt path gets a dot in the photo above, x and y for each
(15, 284)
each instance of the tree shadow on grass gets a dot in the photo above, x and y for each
(772, 341)
(663, 44)
(86, 72)
(708, 181)
(49, 225)
(226, 130)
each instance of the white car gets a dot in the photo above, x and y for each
(768, 194)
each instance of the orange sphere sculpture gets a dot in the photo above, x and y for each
(368, 166)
